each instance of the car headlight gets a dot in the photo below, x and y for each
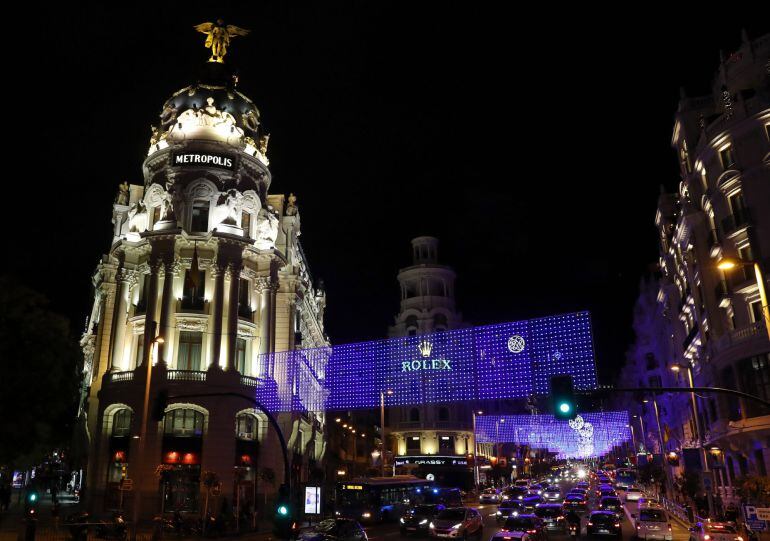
(402, 520)
(423, 521)
(366, 515)
(457, 526)
(431, 525)
(337, 513)
(500, 513)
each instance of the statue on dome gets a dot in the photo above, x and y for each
(267, 228)
(168, 115)
(263, 141)
(291, 207)
(122, 198)
(218, 37)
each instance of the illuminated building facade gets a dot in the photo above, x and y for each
(695, 318)
(206, 259)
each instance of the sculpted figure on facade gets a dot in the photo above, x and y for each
(228, 207)
(137, 217)
(168, 115)
(267, 229)
(167, 207)
(122, 198)
(291, 207)
(263, 141)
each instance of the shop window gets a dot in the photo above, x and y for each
(183, 423)
(193, 290)
(200, 216)
(121, 423)
(446, 444)
(189, 354)
(413, 444)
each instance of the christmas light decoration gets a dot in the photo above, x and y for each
(503, 361)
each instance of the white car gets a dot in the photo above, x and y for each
(633, 494)
(490, 495)
(714, 531)
(653, 524)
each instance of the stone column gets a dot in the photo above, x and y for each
(232, 312)
(167, 307)
(217, 305)
(119, 320)
(150, 316)
(267, 288)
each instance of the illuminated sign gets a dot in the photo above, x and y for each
(495, 362)
(352, 487)
(431, 460)
(182, 159)
(312, 500)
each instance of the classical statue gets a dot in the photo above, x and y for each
(122, 198)
(291, 207)
(263, 140)
(137, 217)
(267, 229)
(168, 115)
(167, 207)
(218, 37)
(227, 209)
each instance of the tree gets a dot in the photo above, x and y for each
(754, 489)
(652, 473)
(42, 363)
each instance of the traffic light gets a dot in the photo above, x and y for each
(563, 397)
(285, 522)
(159, 406)
(30, 503)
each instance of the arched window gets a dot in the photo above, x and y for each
(411, 325)
(184, 423)
(246, 427)
(443, 414)
(440, 322)
(121, 423)
(414, 415)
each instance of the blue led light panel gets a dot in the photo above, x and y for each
(590, 435)
(508, 360)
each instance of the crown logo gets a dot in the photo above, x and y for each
(425, 348)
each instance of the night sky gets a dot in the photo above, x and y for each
(533, 147)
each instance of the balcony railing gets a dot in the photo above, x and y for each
(251, 381)
(738, 336)
(186, 375)
(117, 377)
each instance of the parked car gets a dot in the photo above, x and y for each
(714, 531)
(552, 516)
(604, 523)
(462, 522)
(417, 518)
(512, 508)
(528, 524)
(633, 494)
(334, 529)
(490, 495)
(654, 524)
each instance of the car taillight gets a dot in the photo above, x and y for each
(669, 529)
(590, 523)
(617, 524)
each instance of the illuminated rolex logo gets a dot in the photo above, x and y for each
(425, 348)
(516, 344)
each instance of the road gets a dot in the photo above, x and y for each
(390, 531)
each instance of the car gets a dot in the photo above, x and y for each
(608, 491)
(552, 516)
(334, 529)
(462, 522)
(714, 531)
(647, 501)
(531, 501)
(503, 535)
(603, 523)
(575, 502)
(417, 518)
(513, 493)
(579, 491)
(512, 508)
(529, 524)
(611, 503)
(653, 524)
(536, 487)
(552, 493)
(522, 483)
(582, 484)
(490, 495)
(633, 494)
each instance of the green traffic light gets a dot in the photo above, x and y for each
(283, 510)
(564, 407)
(32, 497)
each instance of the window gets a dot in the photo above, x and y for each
(410, 290)
(246, 222)
(193, 290)
(189, 355)
(246, 426)
(414, 415)
(652, 362)
(155, 215)
(244, 308)
(411, 325)
(755, 309)
(240, 355)
(727, 157)
(183, 423)
(141, 306)
(121, 423)
(446, 444)
(413, 444)
(684, 157)
(654, 381)
(733, 407)
(754, 374)
(440, 322)
(139, 350)
(200, 216)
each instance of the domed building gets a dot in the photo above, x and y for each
(204, 279)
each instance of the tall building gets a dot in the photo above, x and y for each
(709, 324)
(205, 275)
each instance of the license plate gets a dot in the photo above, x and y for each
(411, 529)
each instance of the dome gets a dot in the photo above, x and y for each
(211, 110)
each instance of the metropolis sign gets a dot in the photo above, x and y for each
(187, 159)
(504, 361)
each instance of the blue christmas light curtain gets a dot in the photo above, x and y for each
(588, 435)
(503, 361)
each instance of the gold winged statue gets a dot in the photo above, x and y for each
(218, 37)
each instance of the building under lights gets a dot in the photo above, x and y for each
(695, 319)
(205, 258)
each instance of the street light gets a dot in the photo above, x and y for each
(476, 451)
(728, 264)
(389, 392)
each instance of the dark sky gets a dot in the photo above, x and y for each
(532, 145)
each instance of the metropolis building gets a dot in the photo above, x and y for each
(204, 276)
(703, 322)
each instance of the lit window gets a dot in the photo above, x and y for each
(189, 355)
(727, 157)
(200, 216)
(121, 423)
(184, 423)
(240, 355)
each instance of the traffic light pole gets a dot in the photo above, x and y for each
(721, 390)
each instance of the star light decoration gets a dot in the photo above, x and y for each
(588, 435)
(503, 361)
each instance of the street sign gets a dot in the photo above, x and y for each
(126, 485)
(753, 521)
(763, 513)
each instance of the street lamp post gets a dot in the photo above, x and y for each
(143, 430)
(476, 451)
(727, 264)
(382, 429)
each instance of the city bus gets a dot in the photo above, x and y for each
(378, 499)
(625, 477)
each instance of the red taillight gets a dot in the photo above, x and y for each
(531, 531)
(617, 524)
(590, 523)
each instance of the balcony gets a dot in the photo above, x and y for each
(736, 221)
(690, 337)
(245, 312)
(251, 381)
(119, 377)
(186, 375)
(744, 335)
(193, 303)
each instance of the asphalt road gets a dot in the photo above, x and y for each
(390, 531)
